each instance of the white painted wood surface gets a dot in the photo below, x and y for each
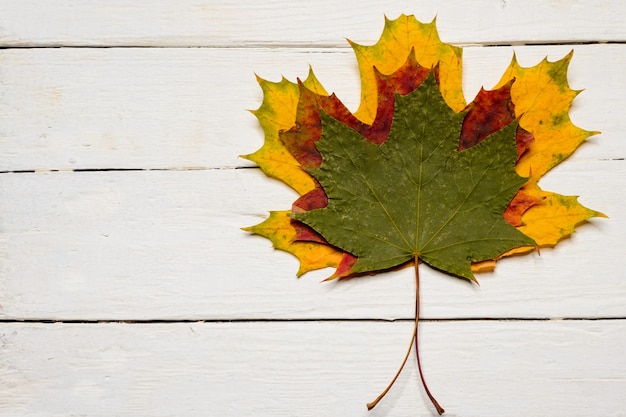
(486, 369)
(76, 108)
(118, 289)
(167, 245)
(280, 23)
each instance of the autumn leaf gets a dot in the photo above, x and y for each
(416, 175)
(278, 228)
(415, 196)
(539, 90)
(399, 38)
(554, 217)
(278, 112)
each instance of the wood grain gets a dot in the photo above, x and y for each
(284, 23)
(167, 245)
(556, 368)
(75, 108)
(128, 289)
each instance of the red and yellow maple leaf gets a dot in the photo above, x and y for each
(539, 97)
(278, 113)
(416, 174)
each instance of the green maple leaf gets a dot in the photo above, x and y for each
(416, 196)
(416, 174)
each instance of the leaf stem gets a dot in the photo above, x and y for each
(440, 409)
(386, 390)
(414, 338)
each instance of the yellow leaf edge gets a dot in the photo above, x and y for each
(311, 255)
(399, 37)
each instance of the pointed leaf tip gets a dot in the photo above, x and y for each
(386, 232)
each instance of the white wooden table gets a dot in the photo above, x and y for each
(127, 288)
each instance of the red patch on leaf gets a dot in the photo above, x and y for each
(518, 206)
(305, 234)
(344, 268)
(408, 77)
(312, 200)
(523, 139)
(300, 139)
(489, 112)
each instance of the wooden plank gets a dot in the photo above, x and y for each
(167, 245)
(164, 108)
(309, 369)
(145, 246)
(280, 22)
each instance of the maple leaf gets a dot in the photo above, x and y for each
(279, 230)
(539, 97)
(416, 196)
(416, 174)
(277, 113)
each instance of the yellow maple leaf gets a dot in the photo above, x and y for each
(399, 37)
(277, 228)
(541, 97)
(277, 113)
(554, 218)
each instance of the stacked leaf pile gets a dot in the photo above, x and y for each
(417, 174)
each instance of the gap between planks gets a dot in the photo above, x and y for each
(299, 45)
(53, 170)
(305, 320)
(174, 169)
